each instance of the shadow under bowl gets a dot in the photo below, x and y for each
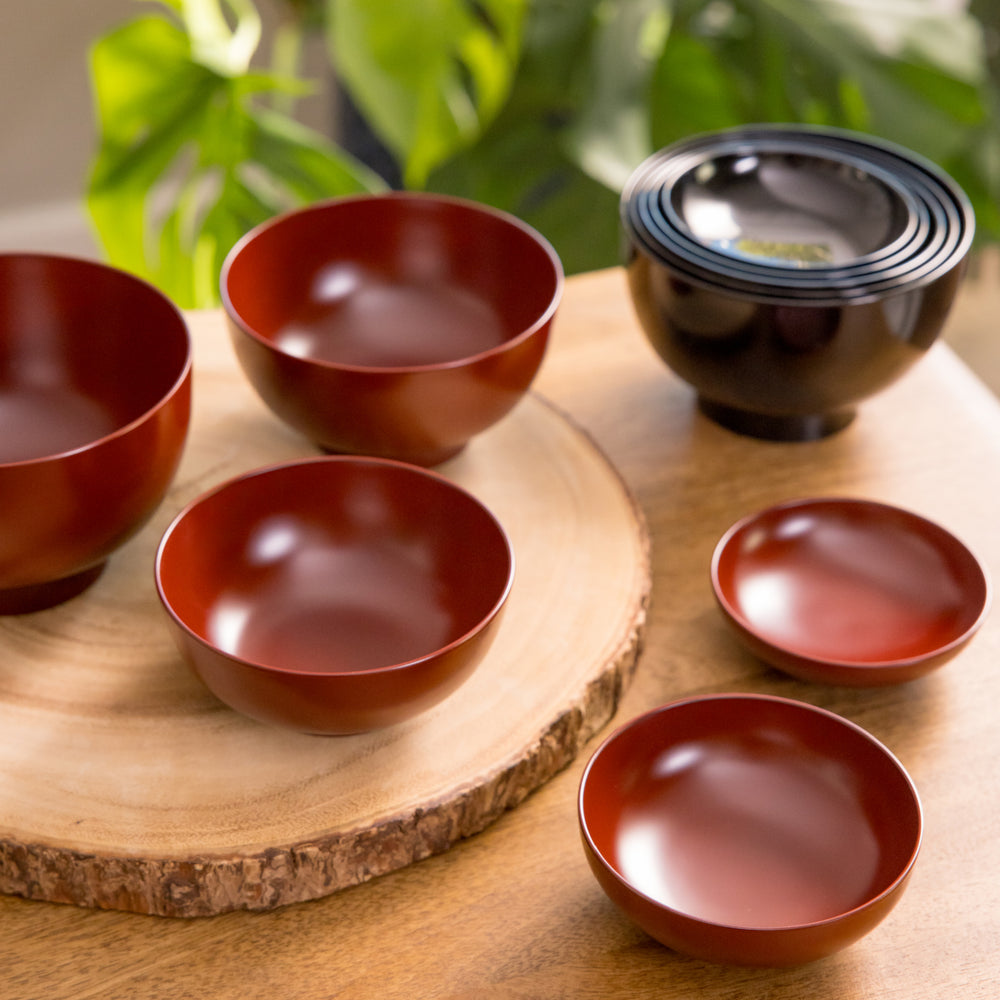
(334, 595)
(397, 325)
(847, 591)
(95, 402)
(748, 829)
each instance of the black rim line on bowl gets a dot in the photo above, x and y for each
(820, 137)
(936, 257)
(819, 297)
(940, 243)
(953, 235)
(751, 276)
(956, 242)
(946, 212)
(651, 200)
(673, 169)
(949, 198)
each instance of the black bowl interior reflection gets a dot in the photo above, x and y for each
(941, 213)
(788, 209)
(850, 273)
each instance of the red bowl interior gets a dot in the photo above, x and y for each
(748, 828)
(95, 372)
(327, 570)
(84, 351)
(392, 281)
(398, 325)
(847, 590)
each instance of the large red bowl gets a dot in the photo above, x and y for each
(839, 590)
(749, 829)
(334, 595)
(95, 397)
(397, 325)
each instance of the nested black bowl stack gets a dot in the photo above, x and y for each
(788, 272)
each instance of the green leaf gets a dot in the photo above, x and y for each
(691, 92)
(611, 135)
(428, 75)
(150, 99)
(187, 162)
(825, 62)
(524, 162)
(213, 43)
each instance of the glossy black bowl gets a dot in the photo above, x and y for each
(784, 333)
(804, 214)
(931, 229)
(726, 208)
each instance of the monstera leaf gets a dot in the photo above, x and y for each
(190, 158)
(540, 107)
(428, 75)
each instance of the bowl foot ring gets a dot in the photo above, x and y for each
(794, 427)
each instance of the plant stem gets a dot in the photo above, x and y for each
(299, 20)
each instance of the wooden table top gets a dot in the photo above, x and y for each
(514, 911)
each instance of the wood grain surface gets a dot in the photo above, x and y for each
(514, 912)
(125, 784)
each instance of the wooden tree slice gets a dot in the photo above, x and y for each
(124, 784)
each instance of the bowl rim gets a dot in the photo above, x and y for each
(888, 509)
(942, 252)
(329, 461)
(783, 286)
(757, 697)
(690, 162)
(937, 235)
(183, 377)
(413, 197)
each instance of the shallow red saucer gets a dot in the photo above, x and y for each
(849, 591)
(749, 829)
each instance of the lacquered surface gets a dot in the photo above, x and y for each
(749, 829)
(94, 405)
(515, 910)
(789, 210)
(784, 371)
(788, 273)
(334, 595)
(792, 212)
(398, 325)
(849, 591)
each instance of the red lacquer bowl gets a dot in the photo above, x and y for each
(397, 325)
(749, 829)
(334, 595)
(95, 396)
(847, 591)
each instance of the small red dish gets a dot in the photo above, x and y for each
(396, 325)
(749, 829)
(95, 402)
(334, 595)
(847, 591)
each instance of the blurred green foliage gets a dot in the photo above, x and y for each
(540, 107)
